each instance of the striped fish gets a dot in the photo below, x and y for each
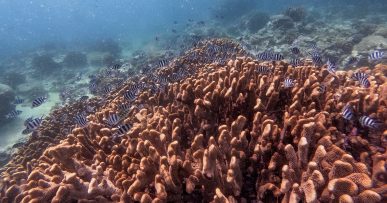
(18, 100)
(175, 77)
(130, 95)
(362, 78)
(288, 83)
(116, 66)
(122, 130)
(80, 120)
(364, 82)
(265, 56)
(34, 123)
(358, 75)
(366, 121)
(331, 67)
(263, 70)
(295, 62)
(348, 112)
(317, 60)
(13, 114)
(277, 57)
(162, 63)
(28, 120)
(107, 89)
(113, 119)
(376, 55)
(124, 107)
(38, 101)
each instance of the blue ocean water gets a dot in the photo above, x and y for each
(27, 24)
(36, 37)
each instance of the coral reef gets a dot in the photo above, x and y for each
(75, 60)
(53, 129)
(223, 133)
(302, 28)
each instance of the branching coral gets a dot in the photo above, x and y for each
(223, 134)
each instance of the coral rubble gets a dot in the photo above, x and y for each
(225, 133)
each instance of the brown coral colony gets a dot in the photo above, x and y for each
(224, 133)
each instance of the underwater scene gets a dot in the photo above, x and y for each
(219, 101)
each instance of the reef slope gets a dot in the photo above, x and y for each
(224, 133)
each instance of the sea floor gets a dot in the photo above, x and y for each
(12, 131)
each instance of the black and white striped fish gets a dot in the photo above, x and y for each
(263, 70)
(18, 100)
(107, 89)
(362, 78)
(376, 55)
(288, 83)
(162, 63)
(28, 120)
(130, 95)
(265, 56)
(80, 120)
(34, 123)
(295, 62)
(13, 114)
(364, 82)
(38, 101)
(348, 112)
(113, 119)
(175, 77)
(317, 60)
(116, 66)
(124, 107)
(331, 67)
(366, 121)
(122, 130)
(277, 57)
(358, 75)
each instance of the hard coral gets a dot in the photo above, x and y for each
(224, 133)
